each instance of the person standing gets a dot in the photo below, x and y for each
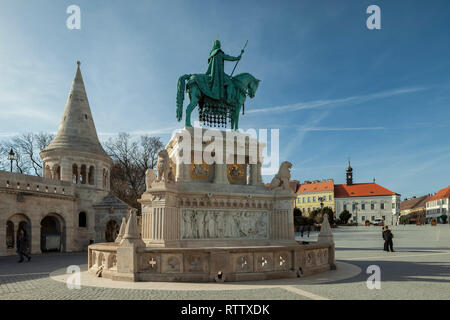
(389, 236)
(22, 245)
(383, 234)
(308, 229)
(302, 229)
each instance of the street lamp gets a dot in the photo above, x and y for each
(11, 157)
(321, 200)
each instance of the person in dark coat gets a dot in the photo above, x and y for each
(383, 234)
(22, 246)
(302, 229)
(308, 229)
(388, 237)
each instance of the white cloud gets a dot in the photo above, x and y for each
(334, 102)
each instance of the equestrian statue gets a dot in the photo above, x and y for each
(220, 97)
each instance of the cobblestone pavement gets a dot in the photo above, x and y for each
(419, 269)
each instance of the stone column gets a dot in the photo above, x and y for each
(2, 237)
(35, 237)
(253, 177)
(220, 174)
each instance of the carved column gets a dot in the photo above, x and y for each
(220, 174)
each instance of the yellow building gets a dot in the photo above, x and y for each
(309, 192)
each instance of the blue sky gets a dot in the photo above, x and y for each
(334, 88)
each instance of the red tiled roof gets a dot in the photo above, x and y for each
(414, 203)
(360, 190)
(316, 187)
(442, 194)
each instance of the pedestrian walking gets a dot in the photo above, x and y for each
(308, 229)
(22, 246)
(302, 229)
(389, 236)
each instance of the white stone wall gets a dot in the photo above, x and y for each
(390, 212)
(436, 208)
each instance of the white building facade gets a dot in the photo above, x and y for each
(438, 206)
(366, 201)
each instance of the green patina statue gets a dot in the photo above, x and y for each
(219, 96)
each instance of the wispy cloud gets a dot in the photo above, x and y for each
(335, 102)
(339, 129)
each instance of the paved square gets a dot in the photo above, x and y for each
(419, 269)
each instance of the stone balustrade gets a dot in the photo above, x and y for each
(28, 183)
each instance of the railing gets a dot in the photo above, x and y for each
(28, 183)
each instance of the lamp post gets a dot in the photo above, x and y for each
(11, 158)
(321, 200)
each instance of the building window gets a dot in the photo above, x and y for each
(82, 220)
(382, 206)
(393, 206)
(345, 207)
(304, 200)
(384, 217)
(372, 206)
(363, 218)
(363, 206)
(373, 218)
(309, 199)
(314, 199)
(330, 198)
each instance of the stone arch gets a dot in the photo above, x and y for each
(75, 177)
(91, 176)
(111, 230)
(53, 233)
(20, 221)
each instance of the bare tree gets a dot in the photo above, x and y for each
(131, 159)
(26, 148)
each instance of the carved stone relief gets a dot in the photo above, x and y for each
(220, 224)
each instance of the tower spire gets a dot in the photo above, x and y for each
(349, 173)
(77, 129)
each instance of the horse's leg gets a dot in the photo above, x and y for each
(236, 116)
(194, 92)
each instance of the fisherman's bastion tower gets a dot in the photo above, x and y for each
(71, 206)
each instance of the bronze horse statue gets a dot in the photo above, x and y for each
(212, 111)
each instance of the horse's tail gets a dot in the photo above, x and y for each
(180, 95)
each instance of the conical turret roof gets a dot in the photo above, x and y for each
(77, 129)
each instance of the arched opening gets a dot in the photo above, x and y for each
(75, 174)
(10, 235)
(52, 233)
(82, 220)
(56, 172)
(111, 231)
(14, 224)
(91, 178)
(83, 174)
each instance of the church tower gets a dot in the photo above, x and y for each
(75, 154)
(349, 174)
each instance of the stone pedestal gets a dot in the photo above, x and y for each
(211, 219)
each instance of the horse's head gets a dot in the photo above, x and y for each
(252, 87)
